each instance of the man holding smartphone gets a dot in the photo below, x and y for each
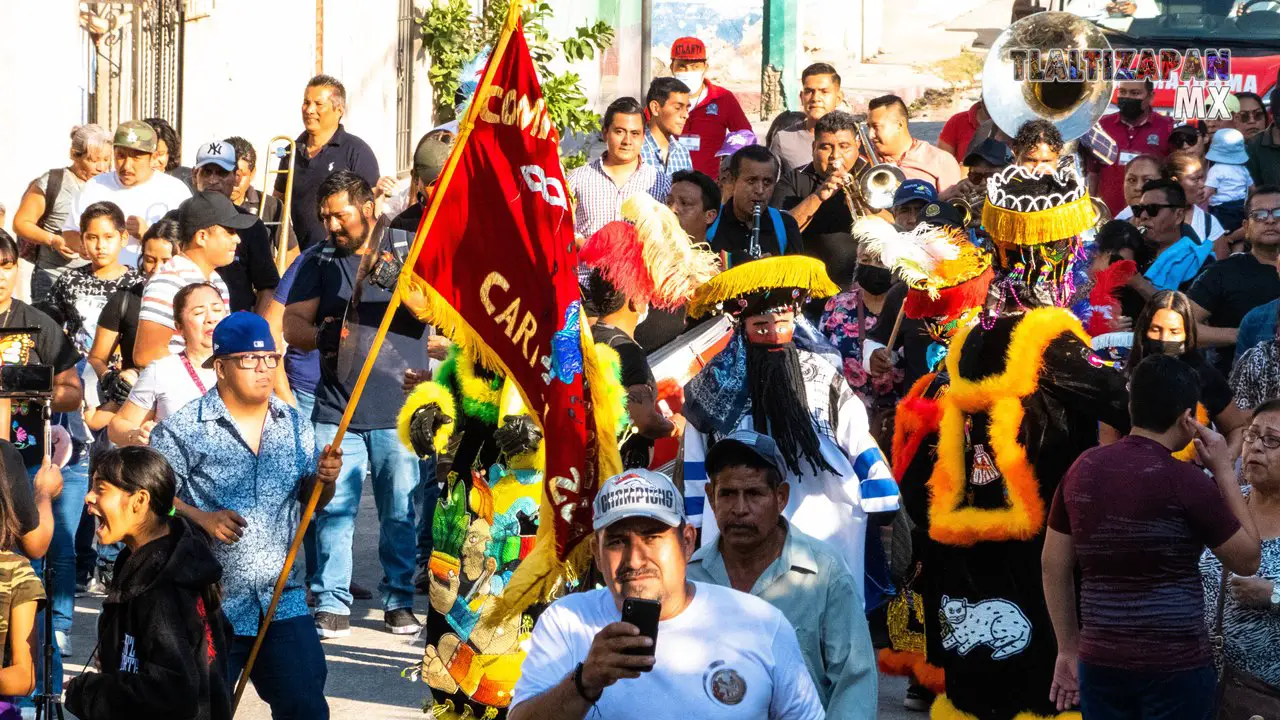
(584, 655)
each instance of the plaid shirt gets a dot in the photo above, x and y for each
(600, 200)
(678, 157)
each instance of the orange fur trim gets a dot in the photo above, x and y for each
(917, 416)
(942, 709)
(931, 676)
(896, 662)
(1001, 397)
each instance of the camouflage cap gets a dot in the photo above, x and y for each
(135, 135)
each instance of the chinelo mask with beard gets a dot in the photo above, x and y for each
(779, 405)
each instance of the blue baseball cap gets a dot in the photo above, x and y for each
(735, 443)
(241, 332)
(915, 190)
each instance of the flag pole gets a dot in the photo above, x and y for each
(508, 29)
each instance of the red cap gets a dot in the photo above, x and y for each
(688, 48)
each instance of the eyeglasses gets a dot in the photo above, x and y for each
(1270, 442)
(1261, 214)
(1250, 115)
(1151, 209)
(249, 362)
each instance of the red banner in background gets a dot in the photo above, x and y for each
(500, 254)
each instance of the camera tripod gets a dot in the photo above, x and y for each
(48, 703)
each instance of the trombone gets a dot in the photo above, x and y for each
(878, 184)
(278, 151)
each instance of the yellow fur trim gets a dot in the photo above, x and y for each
(787, 271)
(676, 265)
(1010, 227)
(1188, 453)
(942, 709)
(1001, 397)
(541, 573)
(614, 394)
(424, 394)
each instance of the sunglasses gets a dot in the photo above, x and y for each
(1262, 215)
(1183, 140)
(1251, 115)
(1151, 209)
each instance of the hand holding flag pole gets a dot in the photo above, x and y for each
(512, 22)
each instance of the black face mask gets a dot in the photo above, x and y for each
(1164, 347)
(1130, 108)
(872, 279)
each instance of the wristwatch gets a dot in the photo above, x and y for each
(1275, 595)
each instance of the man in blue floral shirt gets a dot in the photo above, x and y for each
(244, 461)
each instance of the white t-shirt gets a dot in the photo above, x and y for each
(704, 670)
(166, 385)
(149, 200)
(157, 297)
(1230, 181)
(1197, 221)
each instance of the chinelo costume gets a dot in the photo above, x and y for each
(1024, 396)
(800, 399)
(947, 278)
(489, 454)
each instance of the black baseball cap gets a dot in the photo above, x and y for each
(206, 209)
(990, 151)
(739, 441)
(942, 214)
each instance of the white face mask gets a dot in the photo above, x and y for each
(692, 79)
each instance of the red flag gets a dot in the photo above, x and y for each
(500, 261)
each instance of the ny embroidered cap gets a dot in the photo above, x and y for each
(688, 48)
(637, 493)
(135, 135)
(241, 332)
(217, 152)
(206, 209)
(732, 447)
(914, 190)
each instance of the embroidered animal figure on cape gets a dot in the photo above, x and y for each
(998, 624)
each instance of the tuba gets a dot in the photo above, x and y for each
(1073, 107)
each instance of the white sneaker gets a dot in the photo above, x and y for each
(64, 643)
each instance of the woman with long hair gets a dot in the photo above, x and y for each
(174, 380)
(1167, 326)
(162, 637)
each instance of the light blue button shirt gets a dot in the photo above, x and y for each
(814, 589)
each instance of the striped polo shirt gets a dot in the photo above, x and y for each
(157, 297)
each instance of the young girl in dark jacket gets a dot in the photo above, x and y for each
(162, 636)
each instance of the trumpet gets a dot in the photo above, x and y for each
(879, 183)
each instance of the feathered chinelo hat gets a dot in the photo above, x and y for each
(1031, 207)
(648, 256)
(946, 274)
(752, 288)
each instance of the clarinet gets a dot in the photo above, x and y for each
(754, 250)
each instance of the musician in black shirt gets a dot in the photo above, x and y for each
(755, 173)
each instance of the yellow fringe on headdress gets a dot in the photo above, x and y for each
(1000, 396)
(1013, 228)
(942, 709)
(424, 394)
(771, 273)
(677, 266)
(541, 574)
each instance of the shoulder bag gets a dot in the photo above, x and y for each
(1241, 696)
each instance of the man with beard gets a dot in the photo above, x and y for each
(1024, 399)
(764, 381)
(337, 301)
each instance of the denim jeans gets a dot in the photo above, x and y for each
(67, 509)
(1111, 694)
(428, 496)
(306, 404)
(396, 481)
(290, 672)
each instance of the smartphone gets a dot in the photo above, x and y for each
(643, 614)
